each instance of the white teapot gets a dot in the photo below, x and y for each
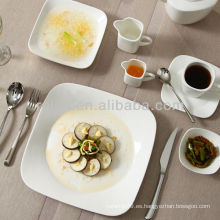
(188, 11)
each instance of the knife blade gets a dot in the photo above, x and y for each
(164, 159)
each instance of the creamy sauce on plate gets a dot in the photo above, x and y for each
(121, 158)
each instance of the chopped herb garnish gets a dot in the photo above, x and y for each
(69, 37)
(80, 143)
(94, 148)
(80, 35)
(98, 142)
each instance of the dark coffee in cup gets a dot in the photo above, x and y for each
(198, 77)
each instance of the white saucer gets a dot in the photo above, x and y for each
(203, 106)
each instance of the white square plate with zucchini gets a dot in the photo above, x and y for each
(111, 191)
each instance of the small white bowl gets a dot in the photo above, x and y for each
(213, 137)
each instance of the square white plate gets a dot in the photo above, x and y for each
(81, 63)
(114, 200)
(203, 106)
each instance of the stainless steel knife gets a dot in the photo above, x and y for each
(164, 159)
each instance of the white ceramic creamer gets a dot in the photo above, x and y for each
(130, 34)
(136, 81)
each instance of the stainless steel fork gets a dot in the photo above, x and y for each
(32, 105)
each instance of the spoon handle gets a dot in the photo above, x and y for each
(4, 120)
(185, 108)
(12, 149)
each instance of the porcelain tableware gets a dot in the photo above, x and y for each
(114, 200)
(130, 34)
(164, 76)
(194, 92)
(203, 106)
(82, 62)
(136, 81)
(213, 137)
(188, 11)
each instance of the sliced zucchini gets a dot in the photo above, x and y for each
(69, 141)
(97, 131)
(79, 165)
(92, 168)
(107, 144)
(71, 156)
(104, 159)
(81, 130)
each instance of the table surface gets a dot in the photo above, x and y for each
(181, 186)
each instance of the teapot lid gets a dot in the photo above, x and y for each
(191, 5)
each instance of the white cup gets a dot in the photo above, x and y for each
(130, 34)
(136, 81)
(194, 92)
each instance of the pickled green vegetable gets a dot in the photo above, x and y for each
(200, 152)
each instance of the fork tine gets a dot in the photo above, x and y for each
(32, 95)
(31, 99)
(30, 102)
(36, 98)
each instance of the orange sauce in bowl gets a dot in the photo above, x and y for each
(135, 71)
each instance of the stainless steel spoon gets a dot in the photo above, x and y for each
(32, 106)
(163, 74)
(13, 97)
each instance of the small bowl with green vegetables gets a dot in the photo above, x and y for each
(199, 151)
